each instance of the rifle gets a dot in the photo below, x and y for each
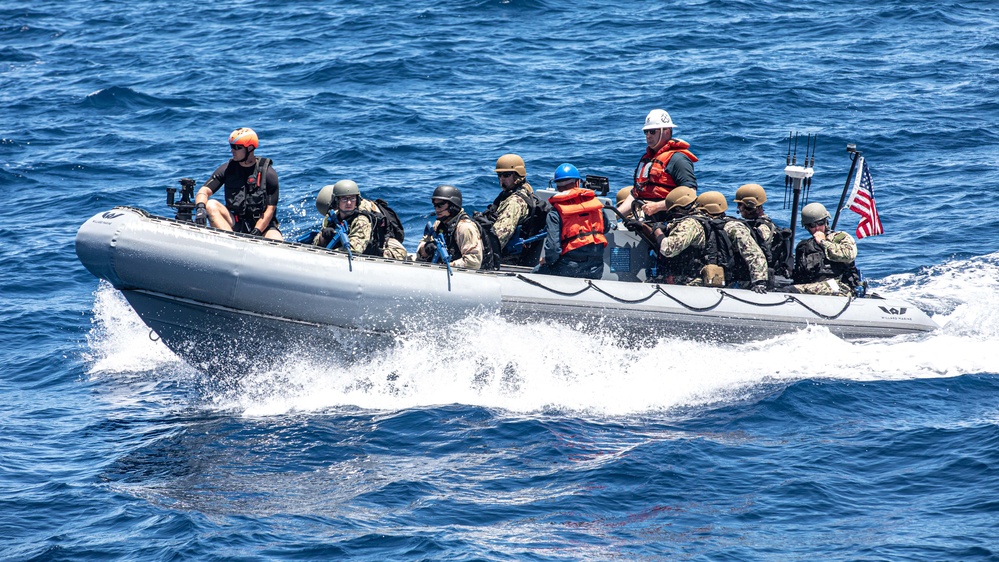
(516, 243)
(440, 250)
(341, 235)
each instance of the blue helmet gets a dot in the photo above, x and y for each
(566, 172)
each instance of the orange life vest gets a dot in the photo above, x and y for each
(652, 183)
(582, 218)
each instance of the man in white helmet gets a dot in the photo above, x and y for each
(824, 264)
(667, 163)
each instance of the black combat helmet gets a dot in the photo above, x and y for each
(448, 193)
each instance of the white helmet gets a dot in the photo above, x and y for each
(658, 119)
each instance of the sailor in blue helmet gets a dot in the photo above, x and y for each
(576, 226)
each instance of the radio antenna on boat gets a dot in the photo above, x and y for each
(797, 177)
(809, 163)
(787, 179)
(854, 153)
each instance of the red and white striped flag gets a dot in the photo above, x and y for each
(861, 201)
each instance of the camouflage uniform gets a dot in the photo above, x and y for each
(688, 232)
(394, 249)
(742, 240)
(765, 231)
(511, 211)
(361, 230)
(468, 241)
(839, 247)
(358, 233)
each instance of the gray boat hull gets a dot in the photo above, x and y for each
(220, 299)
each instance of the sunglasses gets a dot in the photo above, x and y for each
(816, 224)
(236, 146)
(440, 204)
(505, 174)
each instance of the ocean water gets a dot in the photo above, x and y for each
(483, 440)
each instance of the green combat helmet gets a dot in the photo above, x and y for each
(813, 213)
(329, 193)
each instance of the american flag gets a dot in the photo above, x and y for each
(862, 202)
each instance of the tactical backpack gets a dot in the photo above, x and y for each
(779, 252)
(530, 225)
(491, 250)
(717, 245)
(392, 222)
(781, 249)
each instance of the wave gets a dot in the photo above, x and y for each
(117, 97)
(543, 367)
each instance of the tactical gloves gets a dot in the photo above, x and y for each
(200, 214)
(760, 287)
(325, 236)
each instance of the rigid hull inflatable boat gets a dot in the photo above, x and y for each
(215, 297)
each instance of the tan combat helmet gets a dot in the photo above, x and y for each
(751, 195)
(511, 163)
(623, 194)
(712, 202)
(680, 197)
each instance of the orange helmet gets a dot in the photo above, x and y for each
(244, 136)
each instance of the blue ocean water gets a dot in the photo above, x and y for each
(489, 441)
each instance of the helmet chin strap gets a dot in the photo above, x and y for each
(452, 212)
(249, 153)
(661, 139)
(345, 214)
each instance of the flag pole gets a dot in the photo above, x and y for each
(854, 153)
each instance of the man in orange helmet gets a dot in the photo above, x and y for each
(251, 191)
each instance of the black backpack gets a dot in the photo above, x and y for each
(491, 250)
(781, 248)
(718, 246)
(531, 225)
(535, 221)
(392, 222)
(780, 251)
